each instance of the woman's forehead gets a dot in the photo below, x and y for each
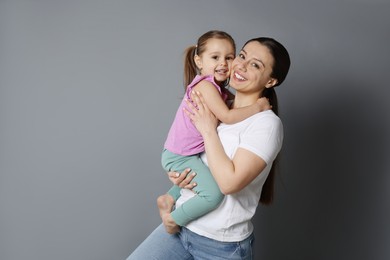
(258, 51)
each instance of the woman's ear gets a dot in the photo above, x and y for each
(272, 82)
(198, 62)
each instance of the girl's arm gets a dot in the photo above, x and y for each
(218, 107)
(232, 175)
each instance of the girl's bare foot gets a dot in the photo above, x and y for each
(165, 204)
(170, 225)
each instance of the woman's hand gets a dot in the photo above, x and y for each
(182, 180)
(201, 116)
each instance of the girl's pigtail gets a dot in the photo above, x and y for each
(190, 69)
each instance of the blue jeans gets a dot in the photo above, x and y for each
(188, 245)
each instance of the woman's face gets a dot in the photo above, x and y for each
(252, 68)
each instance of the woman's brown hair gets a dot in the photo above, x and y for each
(280, 70)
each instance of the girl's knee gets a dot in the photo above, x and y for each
(215, 198)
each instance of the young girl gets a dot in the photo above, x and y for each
(207, 70)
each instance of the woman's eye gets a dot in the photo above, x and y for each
(255, 65)
(241, 56)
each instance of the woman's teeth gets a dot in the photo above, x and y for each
(239, 76)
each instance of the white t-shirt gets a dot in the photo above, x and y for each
(261, 134)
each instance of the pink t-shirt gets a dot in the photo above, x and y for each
(183, 137)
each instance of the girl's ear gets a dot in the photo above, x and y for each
(272, 82)
(198, 62)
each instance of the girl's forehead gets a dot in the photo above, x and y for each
(213, 42)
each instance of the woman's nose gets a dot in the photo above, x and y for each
(242, 66)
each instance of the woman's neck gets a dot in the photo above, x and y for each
(245, 99)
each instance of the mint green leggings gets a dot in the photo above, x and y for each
(208, 194)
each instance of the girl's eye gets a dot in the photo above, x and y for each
(215, 57)
(229, 58)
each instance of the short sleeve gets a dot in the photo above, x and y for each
(263, 137)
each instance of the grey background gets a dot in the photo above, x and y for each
(88, 90)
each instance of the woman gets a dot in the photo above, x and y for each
(240, 157)
(207, 69)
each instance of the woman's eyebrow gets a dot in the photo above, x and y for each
(254, 58)
(260, 62)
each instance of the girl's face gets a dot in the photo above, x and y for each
(216, 60)
(252, 69)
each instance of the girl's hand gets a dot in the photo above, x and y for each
(182, 180)
(201, 116)
(263, 104)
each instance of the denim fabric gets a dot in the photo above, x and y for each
(188, 245)
(160, 245)
(205, 248)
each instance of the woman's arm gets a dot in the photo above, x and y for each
(232, 175)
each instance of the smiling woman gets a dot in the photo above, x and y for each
(240, 156)
(210, 61)
(252, 67)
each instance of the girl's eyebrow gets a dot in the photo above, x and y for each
(254, 58)
(218, 53)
